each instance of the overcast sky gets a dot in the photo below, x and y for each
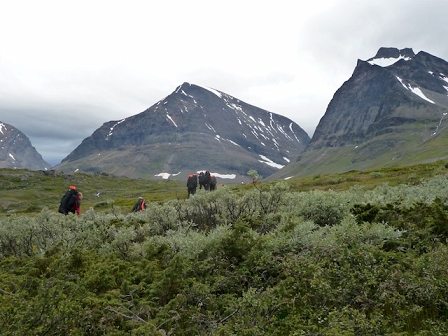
(68, 67)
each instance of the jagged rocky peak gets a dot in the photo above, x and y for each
(191, 128)
(388, 56)
(192, 87)
(196, 91)
(16, 150)
(392, 110)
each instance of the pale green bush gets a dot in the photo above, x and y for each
(293, 234)
(272, 200)
(330, 239)
(119, 240)
(322, 207)
(376, 174)
(233, 208)
(265, 210)
(188, 242)
(204, 209)
(425, 192)
(161, 217)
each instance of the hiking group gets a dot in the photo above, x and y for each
(71, 202)
(205, 180)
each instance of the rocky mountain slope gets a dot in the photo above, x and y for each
(393, 110)
(16, 150)
(192, 129)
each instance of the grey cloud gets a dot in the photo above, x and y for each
(58, 107)
(361, 28)
(54, 130)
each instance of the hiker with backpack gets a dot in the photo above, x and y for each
(201, 179)
(207, 180)
(71, 202)
(212, 182)
(192, 184)
(140, 205)
(76, 208)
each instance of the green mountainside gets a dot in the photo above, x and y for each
(382, 116)
(364, 157)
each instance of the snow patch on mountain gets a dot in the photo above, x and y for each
(233, 142)
(225, 176)
(295, 136)
(235, 107)
(280, 128)
(415, 90)
(112, 128)
(166, 176)
(440, 123)
(212, 91)
(2, 125)
(445, 79)
(171, 119)
(184, 93)
(385, 62)
(269, 162)
(210, 127)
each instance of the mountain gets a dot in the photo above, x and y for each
(16, 150)
(392, 111)
(192, 129)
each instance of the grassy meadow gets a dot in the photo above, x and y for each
(28, 192)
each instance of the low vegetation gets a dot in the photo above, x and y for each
(359, 253)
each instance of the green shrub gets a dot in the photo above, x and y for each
(323, 208)
(264, 261)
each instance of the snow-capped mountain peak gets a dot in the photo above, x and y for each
(388, 56)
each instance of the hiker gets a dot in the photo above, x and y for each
(140, 205)
(212, 182)
(192, 184)
(69, 201)
(76, 208)
(201, 179)
(207, 179)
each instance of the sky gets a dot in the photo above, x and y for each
(68, 67)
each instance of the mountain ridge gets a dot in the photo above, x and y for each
(16, 150)
(192, 129)
(388, 112)
(392, 110)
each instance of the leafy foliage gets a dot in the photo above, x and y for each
(264, 259)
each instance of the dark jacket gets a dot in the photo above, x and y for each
(213, 182)
(68, 202)
(140, 205)
(76, 208)
(192, 182)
